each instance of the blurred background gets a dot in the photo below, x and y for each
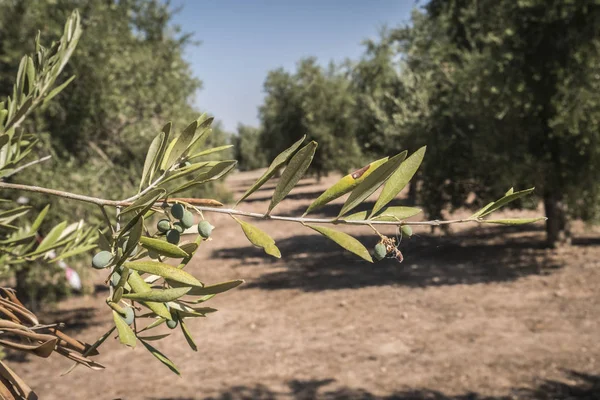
(505, 93)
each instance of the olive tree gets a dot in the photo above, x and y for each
(139, 245)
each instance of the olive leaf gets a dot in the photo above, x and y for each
(39, 219)
(151, 157)
(139, 286)
(51, 238)
(398, 180)
(212, 289)
(210, 151)
(134, 237)
(259, 238)
(512, 196)
(159, 295)
(345, 185)
(395, 213)
(281, 159)
(161, 357)
(163, 248)
(161, 150)
(188, 335)
(146, 207)
(126, 335)
(372, 183)
(513, 221)
(164, 270)
(150, 197)
(344, 240)
(295, 169)
(182, 143)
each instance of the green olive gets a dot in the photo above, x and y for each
(163, 225)
(102, 259)
(406, 230)
(205, 229)
(177, 211)
(172, 323)
(129, 316)
(380, 251)
(173, 236)
(188, 219)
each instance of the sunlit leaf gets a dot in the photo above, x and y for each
(212, 289)
(505, 200)
(139, 286)
(158, 295)
(151, 156)
(394, 213)
(182, 143)
(372, 183)
(259, 238)
(126, 335)
(161, 357)
(164, 270)
(346, 241)
(293, 172)
(162, 247)
(345, 185)
(399, 179)
(52, 237)
(188, 336)
(281, 159)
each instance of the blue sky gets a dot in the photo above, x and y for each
(244, 39)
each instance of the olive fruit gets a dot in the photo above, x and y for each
(163, 225)
(115, 278)
(205, 229)
(173, 236)
(380, 251)
(178, 226)
(177, 211)
(124, 247)
(188, 219)
(129, 316)
(172, 323)
(406, 230)
(102, 259)
(153, 254)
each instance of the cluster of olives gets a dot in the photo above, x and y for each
(173, 232)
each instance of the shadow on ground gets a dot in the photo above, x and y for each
(581, 387)
(491, 254)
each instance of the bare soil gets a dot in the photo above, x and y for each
(483, 313)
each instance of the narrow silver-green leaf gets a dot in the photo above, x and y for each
(150, 197)
(345, 185)
(212, 289)
(161, 357)
(395, 213)
(183, 142)
(505, 200)
(159, 295)
(188, 336)
(210, 151)
(57, 90)
(138, 286)
(281, 159)
(134, 237)
(344, 240)
(163, 248)
(39, 219)
(52, 237)
(399, 179)
(293, 172)
(151, 158)
(513, 221)
(482, 210)
(164, 270)
(372, 183)
(126, 335)
(259, 238)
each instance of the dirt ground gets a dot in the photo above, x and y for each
(483, 313)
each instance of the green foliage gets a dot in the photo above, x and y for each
(248, 152)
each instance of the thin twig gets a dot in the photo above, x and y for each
(22, 167)
(231, 211)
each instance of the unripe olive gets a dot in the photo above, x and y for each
(178, 226)
(406, 230)
(163, 225)
(115, 278)
(177, 211)
(188, 219)
(102, 259)
(153, 254)
(380, 251)
(172, 323)
(185, 164)
(173, 236)
(129, 316)
(205, 229)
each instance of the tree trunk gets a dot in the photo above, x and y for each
(412, 192)
(557, 232)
